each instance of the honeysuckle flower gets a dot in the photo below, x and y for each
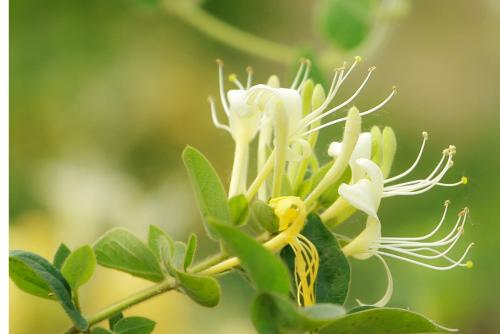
(365, 194)
(253, 108)
(420, 251)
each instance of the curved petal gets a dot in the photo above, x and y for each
(361, 247)
(390, 287)
(362, 150)
(363, 195)
(373, 171)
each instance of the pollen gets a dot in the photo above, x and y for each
(469, 264)
(465, 180)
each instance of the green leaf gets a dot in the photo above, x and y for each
(210, 194)
(332, 283)
(238, 205)
(61, 254)
(28, 280)
(273, 313)
(265, 217)
(134, 325)
(383, 321)
(204, 290)
(43, 270)
(266, 270)
(121, 250)
(190, 251)
(160, 243)
(100, 330)
(346, 23)
(79, 267)
(177, 260)
(114, 319)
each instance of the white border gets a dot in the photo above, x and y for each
(4, 163)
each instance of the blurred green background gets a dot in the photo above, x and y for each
(104, 95)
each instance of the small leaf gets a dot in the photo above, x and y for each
(265, 217)
(273, 313)
(134, 325)
(346, 23)
(28, 280)
(383, 321)
(160, 243)
(121, 250)
(238, 205)
(100, 330)
(190, 251)
(210, 194)
(204, 290)
(43, 270)
(266, 270)
(114, 319)
(177, 261)
(79, 267)
(61, 254)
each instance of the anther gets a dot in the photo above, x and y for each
(469, 264)
(358, 59)
(425, 135)
(232, 77)
(219, 61)
(447, 202)
(249, 70)
(465, 180)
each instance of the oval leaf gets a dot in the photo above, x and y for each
(204, 290)
(79, 266)
(273, 313)
(160, 243)
(383, 321)
(266, 270)
(46, 272)
(121, 250)
(134, 325)
(208, 188)
(346, 23)
(264, 215)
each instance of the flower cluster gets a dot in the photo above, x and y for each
(285, 123)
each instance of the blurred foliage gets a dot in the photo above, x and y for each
(105, 95)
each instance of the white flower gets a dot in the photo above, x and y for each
(250, 109)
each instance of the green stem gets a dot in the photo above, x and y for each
(155, 290)
(230, 35)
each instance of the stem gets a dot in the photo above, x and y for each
(240, 169)
(254, 187)
(128, 302)
(230, 35)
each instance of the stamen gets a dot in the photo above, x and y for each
(221, 87)
(306, 269)
(331, 111)
(468, 264)
(306, 74)
(418, 187)
(446, 205)
(249, 76)
(299, 74)
(215, 120)
(462, 216)
(425, 136)
(369, 111)
(234, 79)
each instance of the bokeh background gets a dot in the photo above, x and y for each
(104, 95)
